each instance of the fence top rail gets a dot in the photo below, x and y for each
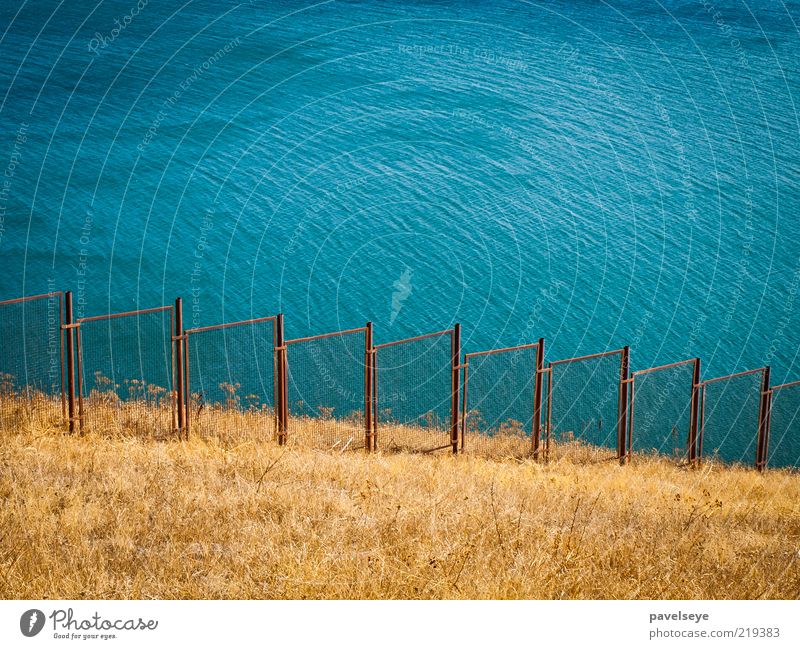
(791, 384)
(125, 314)
(499, 350)
(586, 358)
(415, 338)
(225, 325)
(28, 298)
(327, 335)
(668, 366)
(733, 376)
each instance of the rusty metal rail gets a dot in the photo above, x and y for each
(331, 334)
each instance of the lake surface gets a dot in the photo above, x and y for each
(598, 174)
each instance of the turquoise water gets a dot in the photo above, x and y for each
(598, 174)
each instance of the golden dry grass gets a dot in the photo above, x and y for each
(232, 515)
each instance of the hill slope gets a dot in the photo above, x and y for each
(117, 517)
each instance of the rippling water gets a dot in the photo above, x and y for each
(599, 174)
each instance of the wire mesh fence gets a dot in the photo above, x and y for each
(662, 410)
(135, 371)
(784, 434)
(414, 392)
(731, 409)
(125, 373)
(31, 361)
(584, 407)
(326, 389)
(499, 399)
(230, 377)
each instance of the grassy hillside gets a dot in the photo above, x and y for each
(238, 517)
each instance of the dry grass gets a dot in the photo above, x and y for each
(235, 516)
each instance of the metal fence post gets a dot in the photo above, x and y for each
(368, 377)
(694, 415)
(701, 429)
(281, 391)
(68, 318)
(374, 367)
(63, 366)
(768, 436)
(454, 383)
(179, 378)
(763, 421)
(623, 405)
(187, 393)
(630, 412)
(549, 412)
(536, 433)
(79, 381)
(464, 399)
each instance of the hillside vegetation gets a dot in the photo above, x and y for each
(120, 516)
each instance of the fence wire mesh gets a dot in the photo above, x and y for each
(326, 390)
(231, 379)
(126, 370)
(31, 348)
(125, 364)
(784, 436)
(731, 406)
(662, 411)
(499, 391)
(583, 412)
(414, 393)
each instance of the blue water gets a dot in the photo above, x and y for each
(596, 173)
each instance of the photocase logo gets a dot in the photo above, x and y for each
(31, 622)
(402, 289)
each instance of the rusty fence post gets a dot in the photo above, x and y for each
(464, 400)
(375, 416)
(179, 379)
(62, 377)
(768, 436)
(536, 433)
(630, 412)
(694, 415)
(701, 423)
(368, 390)
(285, 396)
(623, 405)
(549, 400)
(68, 322)
(281, 407)
(187, 393)
(79, 380)
(763, 421)
(455, 384)
(374, 367)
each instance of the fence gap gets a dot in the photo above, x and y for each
(327, 396)
(417, 381)
(233, 380)
(744, 406)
